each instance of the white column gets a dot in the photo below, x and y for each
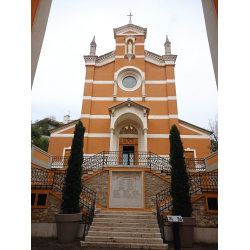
(145, 132)
(115, 90)
(143, 90)
(111, 139)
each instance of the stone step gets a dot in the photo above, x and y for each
(107, 245)
(123, 234)
(100, 215)
(123, 239)
(125, 229)
(122, 224)
(125, 212)
(122, 220)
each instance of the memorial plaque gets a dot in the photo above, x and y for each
(126, 189)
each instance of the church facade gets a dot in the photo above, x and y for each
(130, 103)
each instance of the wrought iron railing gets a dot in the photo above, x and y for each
(88, 219)
(204, 182)
(160, 221)
(142, 158)
(54, 179)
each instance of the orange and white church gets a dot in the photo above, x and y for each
(129, 103)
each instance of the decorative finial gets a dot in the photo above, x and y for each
(130, 21)
(93, 46)
(167, 45)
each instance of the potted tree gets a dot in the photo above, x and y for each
(68, 219)
(179, 189)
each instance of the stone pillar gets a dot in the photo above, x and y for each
(111, 138)
(143, 90)
(115, 90)
(145, 132)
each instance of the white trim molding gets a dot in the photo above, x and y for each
(95, 116)
(160, 82)
(195, 130)
(132, 99)
(103, 82)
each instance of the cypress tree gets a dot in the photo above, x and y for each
(72, 186)
(179, 189)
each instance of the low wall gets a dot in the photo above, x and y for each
(49, 230)
(204, 235)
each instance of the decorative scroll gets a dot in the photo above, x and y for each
(128, 130)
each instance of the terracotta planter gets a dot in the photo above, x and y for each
(186, 230)
(67, 226)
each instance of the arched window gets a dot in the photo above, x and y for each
(128, 130)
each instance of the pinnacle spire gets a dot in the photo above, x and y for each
(93, 41)
(167, 45)
(93, 46)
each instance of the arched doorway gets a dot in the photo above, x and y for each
(128, 147)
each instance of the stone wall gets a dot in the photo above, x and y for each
(203, 219)
(46, 215)
(153, 185)
(99, 184)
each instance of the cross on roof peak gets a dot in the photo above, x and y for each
(130, 21)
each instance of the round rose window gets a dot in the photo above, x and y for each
(129, 82)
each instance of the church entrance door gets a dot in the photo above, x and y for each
(128, 151)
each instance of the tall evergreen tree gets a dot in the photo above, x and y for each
(72, 186)
(179, 189)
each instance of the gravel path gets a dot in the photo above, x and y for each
(39, 243)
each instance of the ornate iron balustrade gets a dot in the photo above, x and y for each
(160, 221)
(204, 182)
(143, 158)
(88, 219)
(54, 179)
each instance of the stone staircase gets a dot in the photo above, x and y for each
(113, 229)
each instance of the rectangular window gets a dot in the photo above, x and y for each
(33, 197)
(212, 204)
(41, 200)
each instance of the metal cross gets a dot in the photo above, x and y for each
(130, 16)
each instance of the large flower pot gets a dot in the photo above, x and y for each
(186, 229)
(67, 227)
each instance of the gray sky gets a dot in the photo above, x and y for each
(59, 81)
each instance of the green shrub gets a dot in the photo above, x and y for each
(179, 189)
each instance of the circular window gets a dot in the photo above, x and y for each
(129, 82)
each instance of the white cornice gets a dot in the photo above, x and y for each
(104, 59)
(101, 60)
(130, 27)
(160, 60)
(153, 58)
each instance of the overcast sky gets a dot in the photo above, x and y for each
(59, 81)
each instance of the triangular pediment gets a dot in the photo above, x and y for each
(130, 29)
(128, 104)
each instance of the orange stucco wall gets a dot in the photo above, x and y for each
(212, 160)
(154, 72)
(185, 131)
(93, 145)
(40, 156)
(105, 72)
(34, 5)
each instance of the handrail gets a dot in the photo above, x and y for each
(143, 158)
(54, 179)
(88, 219)
(200, 181)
